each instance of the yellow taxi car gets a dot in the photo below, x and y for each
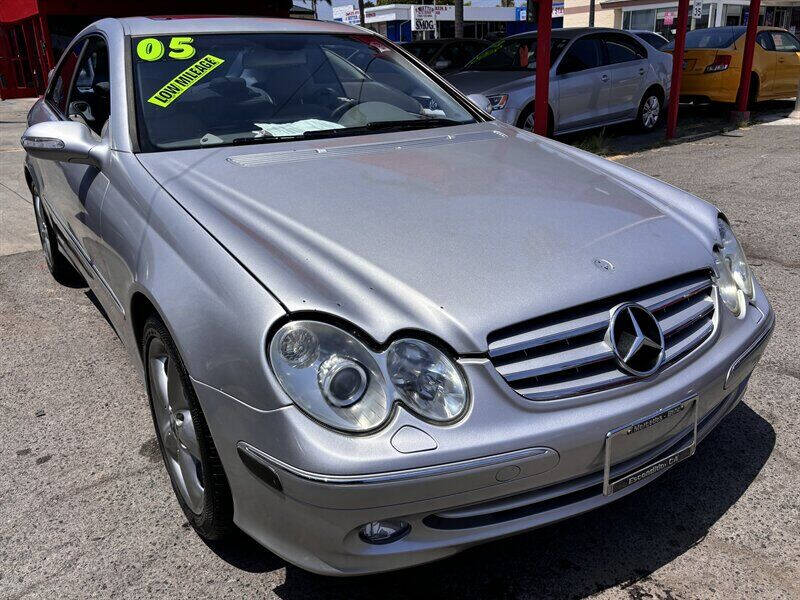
(712, 64)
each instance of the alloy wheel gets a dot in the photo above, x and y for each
(175, 426)
(650, 112)
(529, 123)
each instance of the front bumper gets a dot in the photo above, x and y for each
(511, 465)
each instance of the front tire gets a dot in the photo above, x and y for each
(650, 110)
(189, 454)
(525, 120)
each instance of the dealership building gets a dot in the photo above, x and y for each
(662, 17)
(394, 20)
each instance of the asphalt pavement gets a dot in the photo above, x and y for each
(86, 510)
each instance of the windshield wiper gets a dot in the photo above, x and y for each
(401, 125)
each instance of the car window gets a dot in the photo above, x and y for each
(785, 41)
(764, 40)
(215, 89)
(656, 41)
(57, 95)
(90, 98)
(623, 49)
(424, 52)
(456, 54)
(715, 37)
(585, 53)
(513, 54)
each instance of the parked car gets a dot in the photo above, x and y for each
(656, 40)
(712, 64)
(598, 77)
(375, 325)
(445, 55)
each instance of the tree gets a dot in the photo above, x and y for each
(314, 6)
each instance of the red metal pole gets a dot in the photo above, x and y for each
(677, 68)
(747, 59)
(544, 22)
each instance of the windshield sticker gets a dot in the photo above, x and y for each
(184, 80)
(151, 49)
(293, 129)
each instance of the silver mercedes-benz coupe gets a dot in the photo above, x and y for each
(377, 326)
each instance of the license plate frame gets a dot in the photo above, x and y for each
(619, 483)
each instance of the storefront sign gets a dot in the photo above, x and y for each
(697, 9)
(423, 18)
(347, 14)
(521, 12)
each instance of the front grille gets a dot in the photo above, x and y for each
(565, 353)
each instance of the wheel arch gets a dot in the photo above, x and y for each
(530, 105)
(659, 89)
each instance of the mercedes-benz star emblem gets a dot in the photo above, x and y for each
(636, 339)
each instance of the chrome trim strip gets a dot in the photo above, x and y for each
(751, 349)
(393, 476)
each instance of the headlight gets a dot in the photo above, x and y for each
(426, 380)
(339, 381)
(734, 278)
(498, 102)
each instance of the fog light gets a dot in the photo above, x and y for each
(383, 532)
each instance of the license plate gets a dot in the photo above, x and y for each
(658, 466)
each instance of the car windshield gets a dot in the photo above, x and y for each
(513, 54)
(710, 38)
(205, 90)
(424, 52)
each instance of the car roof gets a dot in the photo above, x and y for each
(569, 33)
(441, 41)
(168, 25)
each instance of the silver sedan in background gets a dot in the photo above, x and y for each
(598, 77)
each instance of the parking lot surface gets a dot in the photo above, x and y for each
(86, 509)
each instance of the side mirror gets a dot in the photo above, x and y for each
(481, 102)
(442, 63)
(65, 141)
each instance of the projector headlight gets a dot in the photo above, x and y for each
(339, 381)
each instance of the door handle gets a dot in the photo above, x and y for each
(641, 71)
(604, 77)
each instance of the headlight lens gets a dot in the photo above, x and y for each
(330, 375)
(498, 102)
(339, 381)
(734, 278)
(735, 259)
(426, 380)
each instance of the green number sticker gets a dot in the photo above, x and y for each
(181, 48)
(150, 49)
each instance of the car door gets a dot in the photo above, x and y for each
(88, 102)
(765, 61)
(787, 67)
(584, 83)
(72, 192)
(627, 62)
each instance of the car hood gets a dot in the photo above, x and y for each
(487, 82)
(456, 231)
